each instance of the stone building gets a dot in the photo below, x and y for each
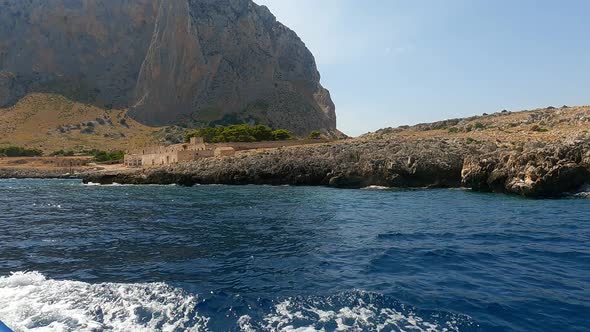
(68, 162)
(167, 155)
(224, 151)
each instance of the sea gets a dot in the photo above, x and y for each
(77, 257)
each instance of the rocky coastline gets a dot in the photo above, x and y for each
(35, 173)
(532, 169)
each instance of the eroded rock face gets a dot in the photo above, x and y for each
(188, 62)
(87, 50)
(536, 171)
(348, 164)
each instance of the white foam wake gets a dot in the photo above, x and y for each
(377, 188)
(355, 315)
(31, 302)
(584, 192)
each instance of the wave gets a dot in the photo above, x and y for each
(583, 193)
(115, 184)
(377, 188)
(91, 184)
(30, 302)
(353, 311)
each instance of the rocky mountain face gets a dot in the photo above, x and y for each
(186, 62)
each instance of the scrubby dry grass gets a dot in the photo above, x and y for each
(52, 122)
(546, 125)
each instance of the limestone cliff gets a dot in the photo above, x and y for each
(187, 62)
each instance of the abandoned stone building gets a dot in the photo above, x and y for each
(68, 162)
(224, 151)
(167, 155)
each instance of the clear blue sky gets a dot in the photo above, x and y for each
(390, 62)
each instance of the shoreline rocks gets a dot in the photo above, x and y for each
(536, 172)
(34, 173)
(547, 171)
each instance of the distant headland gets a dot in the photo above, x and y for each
(538, 153)
(111, 94)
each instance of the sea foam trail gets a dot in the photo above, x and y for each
(31, 302)
(354, 311)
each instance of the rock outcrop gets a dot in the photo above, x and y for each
(539, 170)
(187, 62)
(547, 171)
(353, 164)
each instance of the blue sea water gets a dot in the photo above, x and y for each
(258, 258)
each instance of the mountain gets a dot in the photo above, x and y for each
(169, 62)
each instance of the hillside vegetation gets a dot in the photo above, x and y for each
(240, 133)
(59, 126)
(17, 151)
(548, 125)
(52, 123)
(540, 153)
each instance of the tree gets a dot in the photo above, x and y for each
(239, 133)
(208, 134)
(282, 135)
(262, 133)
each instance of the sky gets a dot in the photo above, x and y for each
(391, 62)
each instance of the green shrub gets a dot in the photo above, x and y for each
(479, 125)
(104, 156)
(316, 134)
(239, 133)
(282, 135)
(453, 130)
(16, 151)
(63, 153)
(262, 133)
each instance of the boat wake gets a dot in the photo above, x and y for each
(29, 301)
(354, 311)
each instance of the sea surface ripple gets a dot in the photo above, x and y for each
(260, 258)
